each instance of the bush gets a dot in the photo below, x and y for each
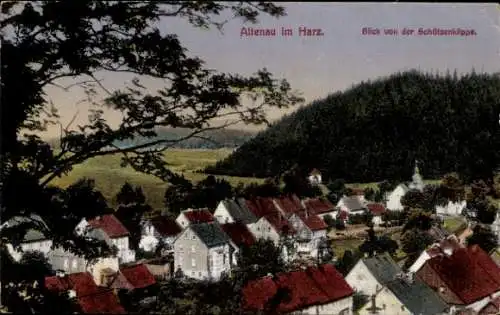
(339, 224)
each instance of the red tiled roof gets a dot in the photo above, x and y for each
(468, 272)
(110, 225)
(304, 288)
(82, 282)
(199, 216)
(289, 204)
(239, 233)
(261, 206)
(138, 276)
(313, 222)
(279, 222)
(318, 206)
(104, 301)
(376, 208)
(166, 226)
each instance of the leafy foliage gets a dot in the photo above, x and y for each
(132, 208)
(347, 261)
(484, 237)
(377, 129)
(41, 47)
(374, 244)
(260, 259)
(205, 194)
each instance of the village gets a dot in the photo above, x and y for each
(448, 277)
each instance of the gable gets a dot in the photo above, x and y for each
(360, 278)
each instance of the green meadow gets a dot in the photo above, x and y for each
(109, 176)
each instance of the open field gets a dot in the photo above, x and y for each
(109, 176)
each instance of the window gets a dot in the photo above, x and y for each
(74, 264)
(193, 237)
(193, 249)
(199, 274)
(193, 262)
(66, 263)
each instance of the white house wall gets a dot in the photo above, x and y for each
(41, 246)
(222, 215)
(394, 199)
(182, 220)
(387, 302)
(361, 279)
(419, 262)
(452, 208)
(262, 229)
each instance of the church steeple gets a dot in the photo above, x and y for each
(417, 181)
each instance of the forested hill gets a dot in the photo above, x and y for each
(223, 138)
(376, 130)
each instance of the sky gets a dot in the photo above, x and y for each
(320, 65)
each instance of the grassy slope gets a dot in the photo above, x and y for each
(109, 176)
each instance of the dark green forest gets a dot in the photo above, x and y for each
(377, 129)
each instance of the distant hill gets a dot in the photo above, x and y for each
(223, 138)
(376, 130)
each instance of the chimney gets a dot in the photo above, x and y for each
(374, 304)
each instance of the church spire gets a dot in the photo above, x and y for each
(417, 170)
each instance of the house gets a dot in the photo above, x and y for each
(288, 205)
(133, 277)
(159, 230)
(377, 210)
(468, 278)
(390, 290)
(109, 229)
(240, 236)
(393, 199)
(371, 274)
(451, 208)
(320, 207)
(230, 211)
(271, 223)
(194, 216)
(203, 251)
(314, 290)
(34, 238)
(351, 205)
(315, 177)
(61, 259)
(445, 247)
(359, 193)
(405, 295)
(90, 298)
(310, 229)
